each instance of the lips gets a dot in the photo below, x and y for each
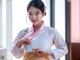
(33, 20)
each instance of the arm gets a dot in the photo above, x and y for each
(17, 51)
(61, 47)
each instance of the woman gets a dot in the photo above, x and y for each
(38, 39)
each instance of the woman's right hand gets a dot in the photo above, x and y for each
(23, 41)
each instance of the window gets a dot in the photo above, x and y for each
(60, 18)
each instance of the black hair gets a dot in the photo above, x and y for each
(38, 4)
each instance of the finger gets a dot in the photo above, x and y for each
(18, 44)
(33, 50)
(38, 53)
(27, 40)
(22, 42)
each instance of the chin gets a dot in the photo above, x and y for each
(35, 23)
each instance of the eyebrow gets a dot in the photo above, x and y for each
(38, 11)
(35, 11)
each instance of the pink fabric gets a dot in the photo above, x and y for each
(33, 34)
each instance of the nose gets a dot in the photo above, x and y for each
(33, 17)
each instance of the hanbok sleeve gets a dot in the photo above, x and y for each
(61, 47)
(16, 51)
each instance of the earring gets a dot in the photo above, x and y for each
(44, 13)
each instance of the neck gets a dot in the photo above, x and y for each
(36, 27)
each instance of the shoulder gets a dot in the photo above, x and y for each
(23, 32)
(50, 29)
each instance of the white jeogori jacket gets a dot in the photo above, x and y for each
(44, 39)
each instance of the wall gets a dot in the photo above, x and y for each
(75, 21)
(75, 29)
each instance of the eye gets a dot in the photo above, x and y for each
(37, 13)
(30, 13)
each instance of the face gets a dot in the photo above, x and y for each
(35, 15)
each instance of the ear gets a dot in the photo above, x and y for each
(44, 13)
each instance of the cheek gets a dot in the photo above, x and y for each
(29, 17)
(39, 17)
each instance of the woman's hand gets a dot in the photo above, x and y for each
(42, 53)
(39, 52)
(23, 41)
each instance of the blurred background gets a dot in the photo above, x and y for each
(63, 15)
